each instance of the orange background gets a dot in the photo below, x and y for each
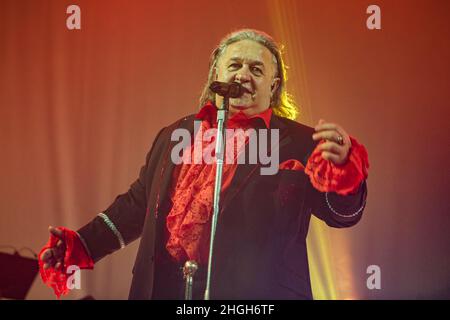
(79, 110)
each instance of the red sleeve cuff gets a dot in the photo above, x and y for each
(343, 179)
(75, 255)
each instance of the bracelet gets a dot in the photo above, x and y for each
(349, 215)
(113, 228)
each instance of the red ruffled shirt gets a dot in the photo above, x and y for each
(188, 222)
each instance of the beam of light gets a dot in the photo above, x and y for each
(319, 259)
(285, 20)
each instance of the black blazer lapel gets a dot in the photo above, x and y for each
(162, 181)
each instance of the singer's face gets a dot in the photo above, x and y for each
(253, 65)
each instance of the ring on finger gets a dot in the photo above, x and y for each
(340, 140)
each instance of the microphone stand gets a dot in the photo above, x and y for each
(189, 269)
(222, 115)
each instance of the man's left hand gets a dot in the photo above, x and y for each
(337, 144)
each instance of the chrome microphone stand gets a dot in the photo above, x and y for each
(222, 115)
(227, 91)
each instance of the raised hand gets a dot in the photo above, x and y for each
(338, 143)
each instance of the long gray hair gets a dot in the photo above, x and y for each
(282, 103)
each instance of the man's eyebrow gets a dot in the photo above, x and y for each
(252, 62)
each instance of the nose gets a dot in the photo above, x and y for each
(242, 77)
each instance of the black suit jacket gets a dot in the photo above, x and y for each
(260, 249)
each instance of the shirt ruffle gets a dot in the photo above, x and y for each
(343, 179)
(75, 255)
(189, 220)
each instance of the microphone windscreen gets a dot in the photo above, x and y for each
(225, 89)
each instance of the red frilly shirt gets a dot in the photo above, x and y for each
(188, 222)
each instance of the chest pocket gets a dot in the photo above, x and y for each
(291, 189)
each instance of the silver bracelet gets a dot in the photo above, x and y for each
(349, 215)
(113, 228)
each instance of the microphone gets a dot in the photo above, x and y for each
(228, 89)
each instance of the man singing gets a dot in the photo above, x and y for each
(260, 241)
